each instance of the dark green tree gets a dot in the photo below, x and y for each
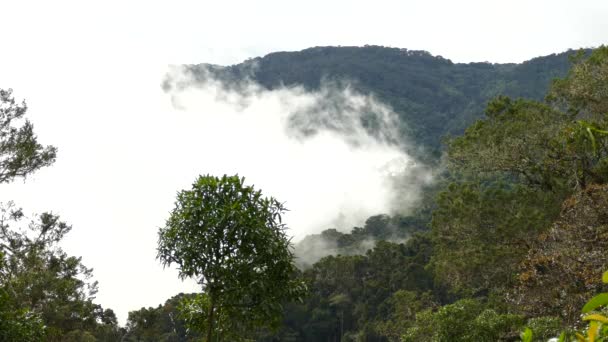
(45, 284)
(482, 231)
(20, 152)
(17, 324)
(231, 239)
(163, 323)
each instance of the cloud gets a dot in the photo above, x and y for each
(334, 156)
(126, 147)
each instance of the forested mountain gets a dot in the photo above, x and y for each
(432, 96)
(512, 235)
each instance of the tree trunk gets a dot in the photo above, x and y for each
(210, 318)
(341, 325)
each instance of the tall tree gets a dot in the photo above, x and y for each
(232, 240)
(44, 293)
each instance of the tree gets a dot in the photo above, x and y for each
(44, 293)
(232, 240)
(20, 152)
(163, 323)
(464, 320)
(481, 232)
(17, 324)
(561, 144)
(583, 90)
(561, 270)
(519, 138)
(41, 283)
(541, 153)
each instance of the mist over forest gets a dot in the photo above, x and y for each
(417, 199)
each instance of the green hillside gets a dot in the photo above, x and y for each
(432, 95)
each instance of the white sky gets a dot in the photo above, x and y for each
(91, 71)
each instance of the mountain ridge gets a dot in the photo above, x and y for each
(432, 96)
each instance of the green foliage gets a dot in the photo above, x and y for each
(44, 293)
(361, 239)
(534, 143)
(404, 305)
(464, 320)
(497, 233)
(492, 232)
(544, 328)
(481, 232)
(583, 91)
(595, 302)
(231, 239)
(486, 231)
(527, 335)
(41, 285)
(517, 138)
(539, 143)
(597, 328)
(432, 96)
(363, 296)
(163, 323)
(18, 324)
(20, 152)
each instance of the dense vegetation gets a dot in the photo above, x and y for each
(512, 236)
(432, 96)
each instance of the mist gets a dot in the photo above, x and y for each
(309, 149)
(127, 146)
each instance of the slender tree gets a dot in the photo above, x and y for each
(232, 240)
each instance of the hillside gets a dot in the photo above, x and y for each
(432, 96)
(511, 237)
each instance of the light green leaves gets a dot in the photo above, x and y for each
(595, 302)
(526, 335)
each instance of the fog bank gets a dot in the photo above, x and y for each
(310, 149)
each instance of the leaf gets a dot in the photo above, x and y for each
(593, 143)
(605, 277)
(597, 301)
(593, 330)
(562, 337)
(596, 317)
(526, 336)
(580, 337)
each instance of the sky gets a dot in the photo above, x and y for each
(91, 74)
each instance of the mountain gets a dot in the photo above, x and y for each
(487, 253)
(432, 96)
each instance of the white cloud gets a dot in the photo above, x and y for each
(342, 171)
